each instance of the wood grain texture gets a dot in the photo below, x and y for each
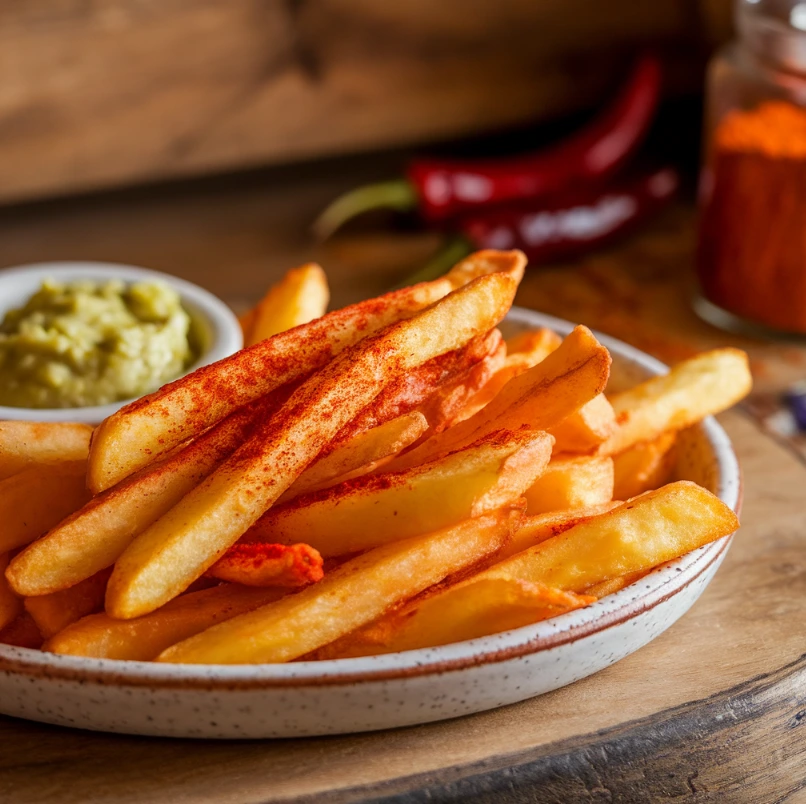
(107, 93)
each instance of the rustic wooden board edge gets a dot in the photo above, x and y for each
(687, 753)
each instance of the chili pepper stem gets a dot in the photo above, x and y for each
(457, 248)
(398, 194)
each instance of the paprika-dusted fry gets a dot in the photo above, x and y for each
(25, 444)
(56, 611)
(143, 639)
(467, 610)
(163, 560)
(645, 466)
(541, 397)
(149, 427)
(375, 509)
(300, 296)
(37, 498)
(352, 595)
(10, 603)
(568, 483)
(262, 564)
(706, 384)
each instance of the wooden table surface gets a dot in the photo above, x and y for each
(710, 711)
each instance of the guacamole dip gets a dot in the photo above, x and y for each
(89, 343)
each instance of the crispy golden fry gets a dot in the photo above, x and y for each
(376, 509)
(536, 529)
(585, 429)
(163, 560)
(21, 632)
(10, 604)
(95, 536)
(25, 444)
(354, 594)
(638, 535)
(568, 483)
(299, 297)
(365, 449)
(52, 613)
(261, 564)
(155, 424)
(541, 397)
(614, 585)
(467, 610)
(693, 389)
(36, 499)
(143, 639)
(645, 466)
(534, 344)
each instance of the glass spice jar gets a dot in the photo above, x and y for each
(751, 258)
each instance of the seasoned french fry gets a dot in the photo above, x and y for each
(467, 610)
(643, 467)
(36, 499)
(143, 430)
(541, 397)
(536, 529)
(261, 564)
(693, 389)
(10, 604)
(100, 636)
(163, 560)
(354, 594)
(300, 296)
(52, 613)
(366, 448)
(485, 262)
(534, 344)
(21, 632)
(376, 509)
(585, 429)
(95, 536)
(638, 535)
(566, 483)
(25, 444)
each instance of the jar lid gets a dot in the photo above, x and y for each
(775, 30)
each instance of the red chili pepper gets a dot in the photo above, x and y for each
(572, 224)
(441, 189)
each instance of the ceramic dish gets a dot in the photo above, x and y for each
(351, 695)
(215, 325)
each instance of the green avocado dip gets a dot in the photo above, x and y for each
(89, 343)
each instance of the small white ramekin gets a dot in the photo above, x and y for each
(216, 323)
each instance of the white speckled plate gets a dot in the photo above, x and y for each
(351, 695)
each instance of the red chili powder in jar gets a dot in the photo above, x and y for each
(752, 249)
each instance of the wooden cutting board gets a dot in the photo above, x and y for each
(713, 710)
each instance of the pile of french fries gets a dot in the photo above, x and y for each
(389, 476)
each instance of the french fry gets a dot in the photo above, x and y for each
(10, 604)
(26, 444)
(578, 482)
(52, 613)
(94, 537)
(699, 387)
(364, 449)
(640, 534)
(376, 509)
(645, 466)
(536, 529)
(100, 636)
(143, 430)
(299, 297)
(21, 632)
(485, 262)
(261, 564)
(354, 594)
(534, 344)
(540, 398)
(467, 610)
(585, 429)
(179, 547)
(610, 587)
(35, 499)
